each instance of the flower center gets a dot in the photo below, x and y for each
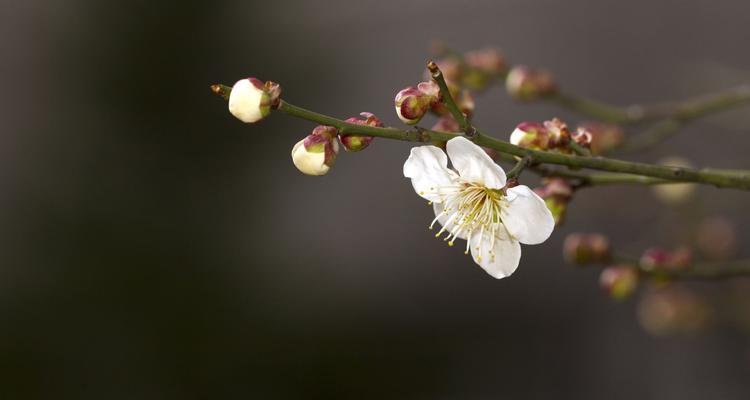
(471, 210)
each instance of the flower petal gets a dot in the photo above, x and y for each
(500, 259)
(474, 165)
(442, 218)
(427, 166)
(526, 216)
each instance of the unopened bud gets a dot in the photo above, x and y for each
(604, 137)
(356, 142)
(524, 83)
(489, 60)
(530, 135)
(672, 310)
(620, 281)
(586, 248)
(559, 136)
(315, 154)
(717, 238)
(413, 103)
(446, 123)
(657, 258)
(556, 193)
(582, 137)
(249, 100)
(484, 66)
(675, 193)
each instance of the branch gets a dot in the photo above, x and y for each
(447, 99)
(719, 178)
(515, 172)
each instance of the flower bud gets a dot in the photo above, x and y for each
(675, 193)
(717, 238)
(524, 83)
(315, 154)
(604, 137)
(413, 103)
(582, 137)
(620, 281)
(446, 123)
(530, 135)
(559, 136)
(672, 310)
(583, 248)
(489, 60)
(249, 100)
(556, 193)
(657, 258)
(483, 66)
(356, 142)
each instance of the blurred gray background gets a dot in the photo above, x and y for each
(154, 247)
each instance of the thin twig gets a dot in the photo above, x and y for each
(448, 100)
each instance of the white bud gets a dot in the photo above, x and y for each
(249, 101)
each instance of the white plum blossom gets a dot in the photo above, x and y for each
(473, 203)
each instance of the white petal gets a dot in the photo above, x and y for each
(427, 166)
(474, 165)
(526, 216)
(503, 260)
(443, 218)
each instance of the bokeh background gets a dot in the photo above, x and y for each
(153, 247)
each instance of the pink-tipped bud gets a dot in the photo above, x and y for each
(656, 258)
(586, 248)
(620, 281)
(530, 135)
(489, 60)
(559, 136)
(413, 103)
(582, 137)
(604, 137)
(483, 66)
(315, 154)
(250, 100)
(525, 83)
(446, 123)
(556, 193)
(355, 142)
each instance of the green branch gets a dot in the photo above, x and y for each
(447, 99)
(718, 178)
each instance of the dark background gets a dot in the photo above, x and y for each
(153, 247)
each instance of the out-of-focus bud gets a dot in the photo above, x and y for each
(559, 136)
(586, 248)
(488, 60)
(315, 154)
(484, 65)
(657, 258)
(675, 193)
(525, 83)
(446, 123)
(249, 100)
(717, 238)
(466, 103)
(530, 135)
(673, 310)
(450, 67)
(556, 193)
(438, 106)
(356, 142)
(620, 281)
(582, 137)
(413, 103)
(604, 137)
